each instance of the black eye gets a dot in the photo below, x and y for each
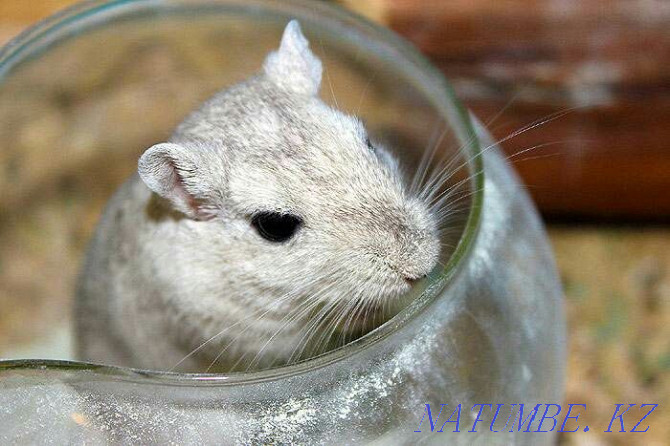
(275, 226)
(369, 144)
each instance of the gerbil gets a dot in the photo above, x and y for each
(267, 226)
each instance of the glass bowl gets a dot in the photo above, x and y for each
(84, 92)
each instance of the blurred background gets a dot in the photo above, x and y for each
(594, 75)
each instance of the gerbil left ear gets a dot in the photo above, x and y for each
(293, 65)
(181, 175)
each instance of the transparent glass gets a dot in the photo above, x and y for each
(84, 92)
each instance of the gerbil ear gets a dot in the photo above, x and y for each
(293, 65)
(177, 174)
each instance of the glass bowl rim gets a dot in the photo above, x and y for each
(456, 115)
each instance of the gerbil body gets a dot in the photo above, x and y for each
(265, 227)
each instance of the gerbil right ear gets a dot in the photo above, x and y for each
(293, 66)
(176, 173)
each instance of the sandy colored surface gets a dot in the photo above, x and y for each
(617, 285)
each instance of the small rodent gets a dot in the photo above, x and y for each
(268, 226)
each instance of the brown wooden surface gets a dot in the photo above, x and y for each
(607, 60)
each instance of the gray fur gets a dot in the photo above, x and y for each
(175, 262)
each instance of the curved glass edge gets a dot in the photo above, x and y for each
(12, 50)
(437, 282)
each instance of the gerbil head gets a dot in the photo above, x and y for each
(291, 202)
